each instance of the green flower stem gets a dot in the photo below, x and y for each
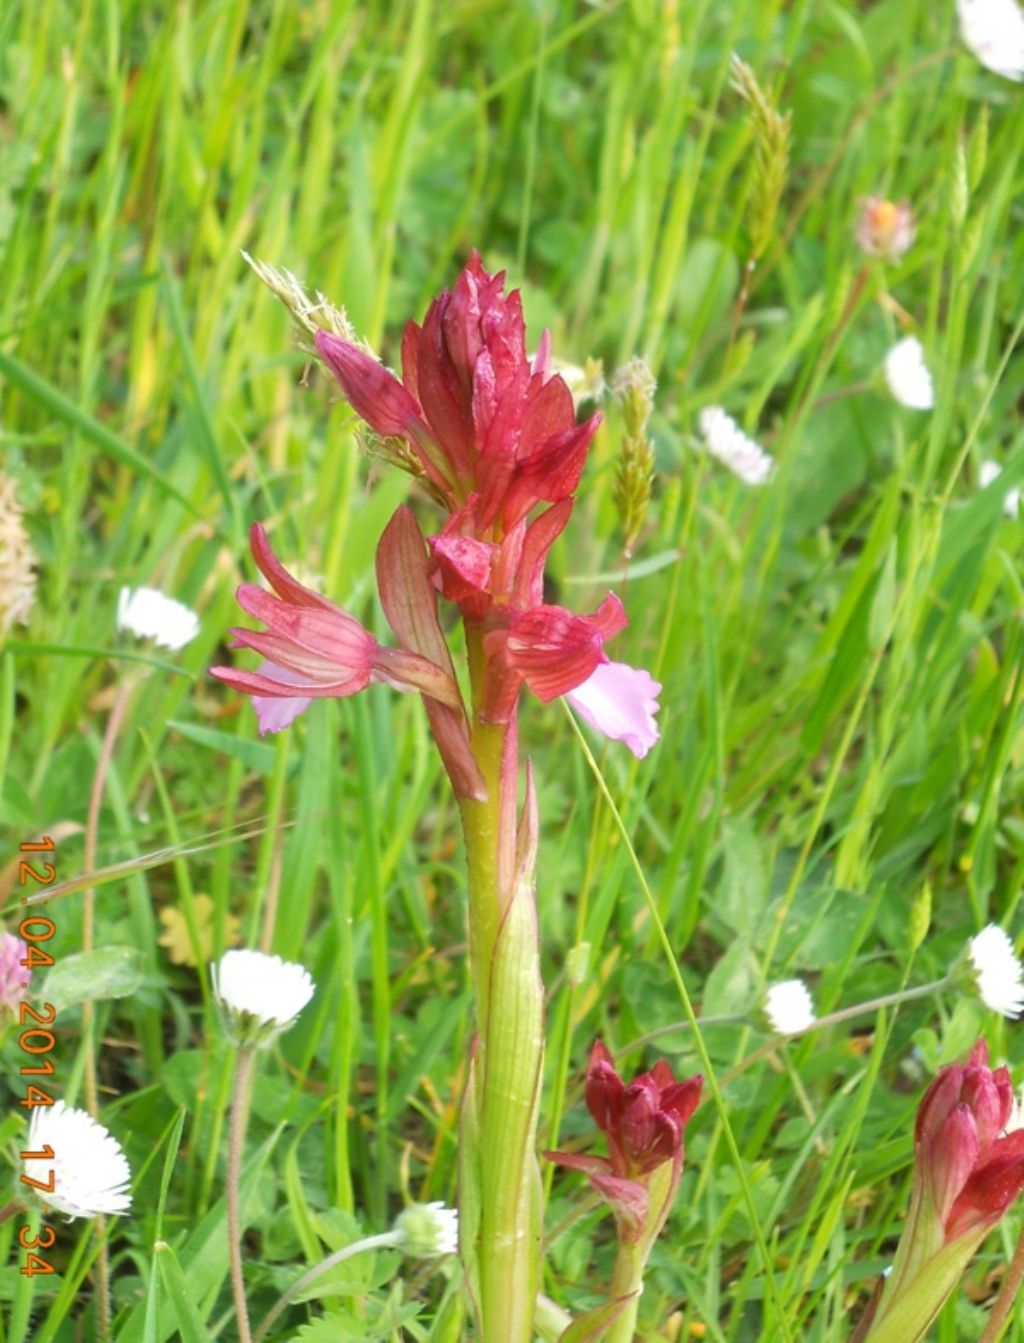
(244, 1069)
(628, 1280)
(499, 1199)
(387, 1240)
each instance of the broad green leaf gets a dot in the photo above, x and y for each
(89, 976)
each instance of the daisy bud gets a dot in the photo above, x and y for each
(993, 30)
(907, 375)
(885, 229)
(428, 1230)
(726, 441)
(14, 977)
(148, 614)
(994, 973)
(90, 1173)
(788, 1007)
(260, 996)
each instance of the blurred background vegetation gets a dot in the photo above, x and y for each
(840, 651)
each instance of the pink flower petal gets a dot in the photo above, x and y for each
(276, 714)
(621, 702)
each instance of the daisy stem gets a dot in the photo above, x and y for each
(244, 1068)
(9, 1209)
(92, 1101)
(819, 1023)
(386, 1240)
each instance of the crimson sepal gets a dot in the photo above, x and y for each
(374, 393)
(410, 605)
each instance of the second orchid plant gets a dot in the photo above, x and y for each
(492, 436)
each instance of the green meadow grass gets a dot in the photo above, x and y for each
(841, 652)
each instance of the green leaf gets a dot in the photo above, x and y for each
(730, 985)
(190, 1327)
(592, 1326)
(255, 755)
(110, 972)
(58, 405)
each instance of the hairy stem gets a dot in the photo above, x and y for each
(92, 1100)
(244, 1068)
(1007, 1295)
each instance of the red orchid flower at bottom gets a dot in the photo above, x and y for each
(645, 1123)
(968, 1169)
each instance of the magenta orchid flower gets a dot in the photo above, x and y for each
(497, 437)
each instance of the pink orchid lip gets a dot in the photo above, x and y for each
(620, 702)
(276, 713)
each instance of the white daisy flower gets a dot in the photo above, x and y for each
(907, 375)
(788, 1007)
(991, 471)
(993, 30)
(998, 974)
(427, 1230)
(261, 995)
(90, 1173)
(150, 615)
(727, 442)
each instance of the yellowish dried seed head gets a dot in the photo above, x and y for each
(633, 387)
(17, 562)
(310, 315)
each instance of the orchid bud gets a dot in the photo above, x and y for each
(644, 1124)
(968, 1169)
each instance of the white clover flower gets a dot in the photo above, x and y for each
(997, 973)
(427, 1230)
(907, 375)
(90, 1173)
(727, 442)
(788, 1007)
(991, 471)
(150, 615)
(993, 30)
(261, 995)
